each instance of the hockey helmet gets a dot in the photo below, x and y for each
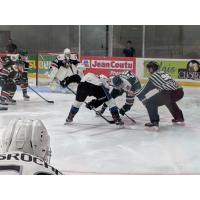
(28, 136)
(103, 77)
(23, 52)
(152, 66)
(67, 52)
(117, 81)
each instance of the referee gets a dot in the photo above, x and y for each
(169, 93)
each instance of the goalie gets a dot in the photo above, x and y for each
(65, 69)
(26, 149)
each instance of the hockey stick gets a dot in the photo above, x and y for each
(124, 114)
(109, 121)
(130, 118)
(40, 95)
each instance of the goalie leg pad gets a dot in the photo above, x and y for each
(53, 73)
(61, 74)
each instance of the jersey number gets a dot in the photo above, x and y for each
(165, 77)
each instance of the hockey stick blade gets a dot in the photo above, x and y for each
(50, 101)
(40, 95)
(99, 114)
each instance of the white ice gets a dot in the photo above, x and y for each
(92, 146)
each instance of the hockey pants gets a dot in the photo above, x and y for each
(167, 98)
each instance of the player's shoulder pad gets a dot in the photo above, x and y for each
(14, 57)
(73, 57)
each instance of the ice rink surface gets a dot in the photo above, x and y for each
(92, 146)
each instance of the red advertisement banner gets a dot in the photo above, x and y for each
(109, 66)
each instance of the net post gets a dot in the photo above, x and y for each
(37, 67)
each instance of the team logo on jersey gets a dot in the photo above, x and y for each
(86, 63)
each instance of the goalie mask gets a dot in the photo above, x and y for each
(28, 136)
(67, 53)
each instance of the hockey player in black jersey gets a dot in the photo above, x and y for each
(125, 82)
(9, 70)
(97, 86)
(22, 78)
(169, 93)
(65, 69)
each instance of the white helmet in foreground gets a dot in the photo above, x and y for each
(67, 53)
(28, 136)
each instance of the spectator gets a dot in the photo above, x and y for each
(11, 47)
(129, 51)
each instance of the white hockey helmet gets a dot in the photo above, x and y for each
(28, 136)
(67, 52)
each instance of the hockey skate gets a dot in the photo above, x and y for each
(69, 119)
(3, 102)
(153, 125)
(178, 121)
(10, 101)
(118, 120)
(3, 108)
(26, 97)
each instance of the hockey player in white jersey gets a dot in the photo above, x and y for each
(127, 83)
(65, 69)
(97, 86)
(26, 150)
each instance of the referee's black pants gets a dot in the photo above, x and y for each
(167, 98)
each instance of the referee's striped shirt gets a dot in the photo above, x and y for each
(158, 80)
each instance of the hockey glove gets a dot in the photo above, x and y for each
(64, 83)
(124, 109)
(89, 106)
(94, 104)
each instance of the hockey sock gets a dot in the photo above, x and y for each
(72, 113)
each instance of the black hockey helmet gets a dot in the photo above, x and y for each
(117, 81)
(152, 66)
(23, 52)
